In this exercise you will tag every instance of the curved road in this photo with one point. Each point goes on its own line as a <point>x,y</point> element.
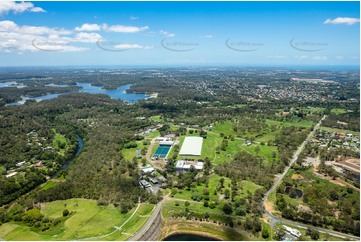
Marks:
<point>137,236</point>
<point>274,219</point>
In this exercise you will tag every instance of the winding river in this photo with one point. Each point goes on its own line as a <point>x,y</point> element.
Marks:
<point>68,163</point>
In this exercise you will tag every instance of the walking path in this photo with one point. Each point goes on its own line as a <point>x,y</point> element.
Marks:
<point>116,227</point>
<point>151,222</point>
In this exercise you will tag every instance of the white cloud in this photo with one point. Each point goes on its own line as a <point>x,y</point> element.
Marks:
<point>20,39</point>
<point>340,57</point>
<point>209,36</point>
<point>131,46</point>
<point>10,26</point>
<point>12,6</point>
<point>342,20</point>
<point>170,35</point>
<point>124,29</point>
<point>133,17</point>
<point>88,27</point>
<point>86,37</point>
<point>320,58</point>
<point>277,57</point>
<point>37,10</point>
<point>306,57</point>
<point>302,57</point>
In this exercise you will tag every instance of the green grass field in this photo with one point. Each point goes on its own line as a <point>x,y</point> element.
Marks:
<point>129,154</point>
<point>225,128</point>
<point>88,220</point>
<point>156,118</point>
<point>244,188</point>
<point>2,169</point>
<point>214,140</point>
<point>338,111</point>
<point>296,123</point>
<point>344,131</point>
<point>60,142</point>
<point>48,185</point>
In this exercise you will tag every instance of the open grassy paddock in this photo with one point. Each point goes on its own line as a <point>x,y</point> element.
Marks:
<point>87,220</point>
<point>60,143</point>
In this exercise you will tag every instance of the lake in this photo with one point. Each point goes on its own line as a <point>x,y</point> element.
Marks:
<point>119,93</point>
<point>11,84</point>
<point>189,237</point>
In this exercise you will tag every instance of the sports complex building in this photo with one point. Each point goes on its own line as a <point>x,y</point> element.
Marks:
<point>192,146</point>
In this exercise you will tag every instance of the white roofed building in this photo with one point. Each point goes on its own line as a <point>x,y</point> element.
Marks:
<point>191,146</point>
<point>184,165</point>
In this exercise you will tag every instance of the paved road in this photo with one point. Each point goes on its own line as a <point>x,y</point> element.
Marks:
<point>148,224</point>
<point>274,219</point>
<point>294,158</point>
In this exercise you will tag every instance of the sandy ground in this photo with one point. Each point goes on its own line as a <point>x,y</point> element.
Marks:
<point>297,177</point>
<point>304,208</point>
<point>269,206</point>
<point>353,161</point>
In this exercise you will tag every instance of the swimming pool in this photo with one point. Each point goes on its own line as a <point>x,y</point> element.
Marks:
<point>162,151</point>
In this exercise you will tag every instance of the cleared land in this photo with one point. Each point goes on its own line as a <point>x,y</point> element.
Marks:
<point>87,220</point>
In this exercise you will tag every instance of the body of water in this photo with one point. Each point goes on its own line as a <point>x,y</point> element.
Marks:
<point>11,84</point>
<point>38,99</point>
<point>119,93</point>
<point>68,163</point>
<point>189,237</point>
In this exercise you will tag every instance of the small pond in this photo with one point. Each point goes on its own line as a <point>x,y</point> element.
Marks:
<point>299,192</point>
<point>189,237</point>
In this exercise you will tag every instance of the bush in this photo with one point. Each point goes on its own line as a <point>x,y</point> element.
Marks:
<point>56,221</point>
<point>240,212</point>
<point>66,212</point>
<point>265,233</point>
<point>227,208</point>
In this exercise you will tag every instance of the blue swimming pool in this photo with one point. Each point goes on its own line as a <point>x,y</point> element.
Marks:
<point>162,151</point>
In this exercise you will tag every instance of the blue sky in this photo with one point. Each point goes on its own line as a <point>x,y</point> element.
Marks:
<point>179,33</point>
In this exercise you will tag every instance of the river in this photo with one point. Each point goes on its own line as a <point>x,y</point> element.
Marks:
<point>68,163</point>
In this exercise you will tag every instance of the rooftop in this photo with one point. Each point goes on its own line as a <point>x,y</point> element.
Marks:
<point>186,165</point>
<point>191,146</point>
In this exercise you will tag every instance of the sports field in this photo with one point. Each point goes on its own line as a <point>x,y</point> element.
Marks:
<point>162,151</point>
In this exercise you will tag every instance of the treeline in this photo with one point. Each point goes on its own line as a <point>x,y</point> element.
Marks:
<point>287,142</point>
<point>13,94</point>
<point>245,166</point>
<point>328,206</point>
<point>100,172</point>
<point>349,121</point>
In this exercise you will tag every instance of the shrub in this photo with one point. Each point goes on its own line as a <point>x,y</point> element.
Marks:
<point>66,212</point>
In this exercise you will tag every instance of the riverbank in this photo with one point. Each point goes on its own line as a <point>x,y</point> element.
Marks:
<point>201,228</point>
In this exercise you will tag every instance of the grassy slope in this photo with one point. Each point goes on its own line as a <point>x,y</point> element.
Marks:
<point>58,140</point>
<point>88,220</point>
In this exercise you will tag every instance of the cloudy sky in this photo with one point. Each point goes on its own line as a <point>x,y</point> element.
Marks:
<point>179,33</point>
